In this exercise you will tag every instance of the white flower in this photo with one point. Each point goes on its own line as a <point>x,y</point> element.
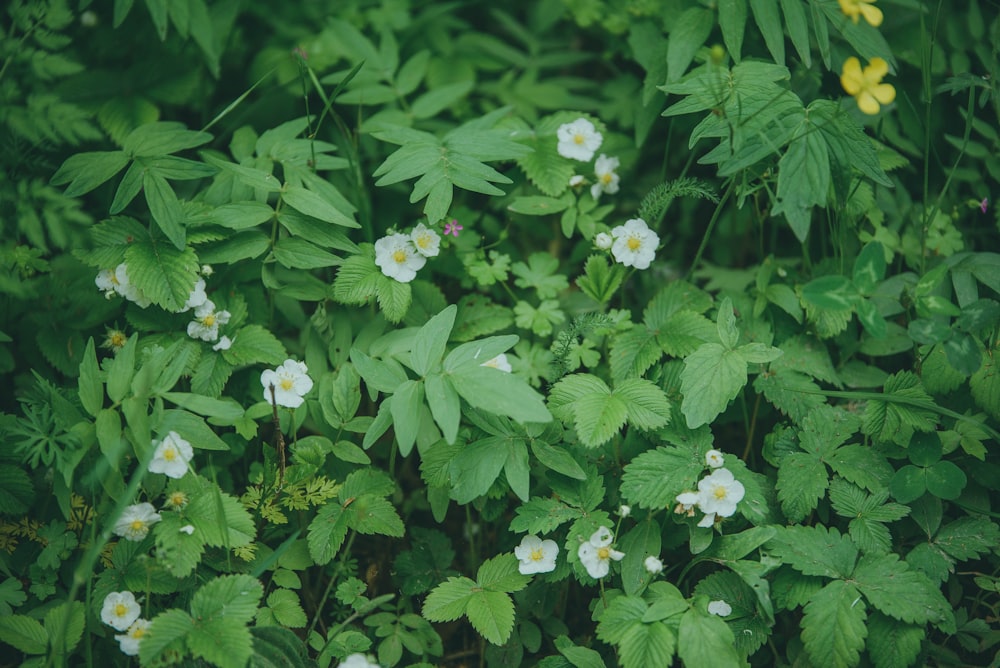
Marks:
<point>499,362</point>
<point>116,280</point>
<point>398,258</point>
<point>171,456</point>
<point>197,296</point>
<point>720,608</point>
<point>290,383</point>
<point>426,241</point>
<point>135,522</point>
<point>686,501</point>
<point>205,325</point>
<point>635,244</point>
<point>707,521</point>
<point>536,555</point>
<point>206,270</point>
<point>607,180</point>
<point>129,641</point>
<point>188,529</point>
<point>225,343</point>
<point>578,140</point>
<point>596,554</point>
<point>603,240</point>
<point>358,661</point>
<point>624,511</point>
<point>107,283</point>
<point>120,609</point>
<point>719,493</point>
<point>575,180</point>
<point>714,459</point>
<point>653,565</point>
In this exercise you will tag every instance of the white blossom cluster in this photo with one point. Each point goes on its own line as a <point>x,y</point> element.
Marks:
<point>579,140</point>
<point>116,281</point>
<point>121,612</point>
<point>401,256</point>
<point>718,493</point>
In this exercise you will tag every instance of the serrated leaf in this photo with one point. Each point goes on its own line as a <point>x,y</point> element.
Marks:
<point>327,532</point>
<point>286,608</point>
<point>633,352</point>
<point>220,519</point>
<point>254,345</point>
<point>544,167</point>
<point>704,639</point>
<point>168,631</point>
<point>968,537</point>
<point>656,477</point>
<point>492,615</point>
<point>542,515</point>
<point>712,377</point>
<point>862,466</point>
<point>449,600</point>
<point>646,404</point>
<point>370,514</point>
<point>815,550</point>
<point>891,643</point>
<point>802,481</point>
<point>791,392</point>
<point>895,421</point>
<point>501,573</point>
<point>231,597</point>
<point>24,634</point>
<point>833,625</point>
<point>900,592</point>
<point>478,316</point>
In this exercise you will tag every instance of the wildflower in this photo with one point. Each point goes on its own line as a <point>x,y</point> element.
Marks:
<point>499,362</point>
<point>205,325</point>
<point>129,641</point>
<point>358,661</point>
<point>206,270</point>
<point>578,140</point>
<point>607,180</point>
<point>596,554</point>
<point>125,287</point>
<point>576,180</point>
<point>398,258</point>
<point>685,502</point>
<point>985,204</point>
<point>714,459</point>
<point>171,456</point>
<point>653,565</point>
<point>634,244</point>
<point>855,8</point>
<point>177,500</point>
<point>624,511</point>
<point>135,522</point>
<point>426,240</point>
<point>707,521</point>
<point>288,383</point>
<point>188,529</point>
<point>452,228</point>
<point>536,555</point>
<point>603,241</point>
<point>720,608</point>
<point>719,493</point>
<point>115,340</point>
<point>107,283</point>
<point>197,296</point>
<point>120,609</point>
<point>225,343</point>
<point>866,87</point>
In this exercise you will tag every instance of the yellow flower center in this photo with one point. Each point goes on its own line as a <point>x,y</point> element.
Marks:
<point>578,138</point>
<point>138,632</point>
<point>117,339</point>
<point>603,553</point>
<point>177,499</point>
<point>399,257</point>
<point>208,320</point>
<point>424,240</point>
<point>170,454</point>
<point>120,610</point>
<point>114,279</point>
<point>137,525</point>
<point>719,493</point>
<point>634,243</point>
<point>286,384</point>
<point>537,555</point>
<point>606,178</point>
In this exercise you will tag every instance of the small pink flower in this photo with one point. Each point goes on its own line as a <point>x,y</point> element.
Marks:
<point>985,204</point>
<point>452,228</point>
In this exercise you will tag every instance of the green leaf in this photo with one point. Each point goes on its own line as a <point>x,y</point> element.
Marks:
<point>791,392</point>
<point>968,537</point>
<point>220,519</point>
<point>633,352</point>
<point>907,407</point>
<point>798,28</point>
<point>327,532</point>
<point>542,515</point>
<point>163,138</point>
<point>437,99</point>
<point>478,316</point>
<point>192,428</point>
<point>370,514</point>
<point>180,551</point>
<point>802,481</point>
<point>91,389</point>
<point>167,633</point>
<point>85,171</point>
<point>869,267</point>
<point>536,205</point>
<point>557,459</point>
<point>284,605</point>
<point>765,13</point>
<point>833,625</point>
<point>24,634</point>
<point>444,404</point>
<point>831,292</point>
<point>431,340</point>
<point>313,204</point>
<point>254,345</point>
<point>492,615</point>
<point>645,403</point>
<point>704,640</point>
<point>945,480</point>
<point>248,176</point>
<point>449,600</point>
<point>405,405</point>
<point>892,644</point>
<point>815,550</point>
<point>541,273</point>
<point>166,208</point>
<point>501,573</point>
<point>656,477</point>
<point>732,21</point>
<point>712,377</point>
<point>498,392</point>
<point>64,624</point>
<point>600,281</point>
<point>477,466</point>
<point>687,34</point>
<point>164,273</point>
<point>296,253</point>
<point>901,593</point>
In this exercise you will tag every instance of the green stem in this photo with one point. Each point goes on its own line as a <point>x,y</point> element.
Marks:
<point>710,228</point>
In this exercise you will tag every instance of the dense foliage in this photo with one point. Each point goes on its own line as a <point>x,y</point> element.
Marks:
<point>559,333</point>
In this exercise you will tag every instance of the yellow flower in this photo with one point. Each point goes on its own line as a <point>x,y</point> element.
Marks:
<point>866,8</point>
<point>867,87</point>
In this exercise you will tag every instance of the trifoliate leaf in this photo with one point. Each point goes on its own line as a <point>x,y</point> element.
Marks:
<point>539,320</point>
<point>712,377</point>
<point>895,421</point>
<point>896,590</point>
<point>815,550</point>
<point>287,610</point>
<point>492,615</point>
<point>542,516</point>
<point>891,643</point>
<point>833,625</point>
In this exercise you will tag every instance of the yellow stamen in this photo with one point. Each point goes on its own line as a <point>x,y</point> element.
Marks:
<point>720,492</point>
<point>137,525</point>
<point>536,555</point>
<point>208,320</point>
<point>424,240</point>
<point>579,139</point>
<point>603,553</point>
<point>170,454</point>
<point>606,178</point>
<point>399,257</point>
<point>633,243</point>
<point>120,610</point>
<point>286,384</point>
